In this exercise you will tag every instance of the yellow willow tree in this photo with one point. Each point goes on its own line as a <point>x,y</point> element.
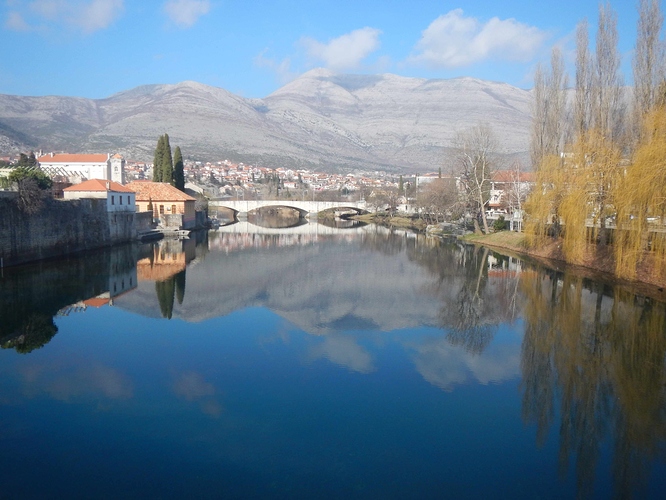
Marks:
<point>572,197</point>
<point>641,201</point>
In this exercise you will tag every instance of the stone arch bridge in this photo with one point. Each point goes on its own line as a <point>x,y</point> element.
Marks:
<point>308,209</point>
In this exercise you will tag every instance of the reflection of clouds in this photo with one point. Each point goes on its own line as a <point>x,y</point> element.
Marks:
<point>345,352</point>
<point>446,366</point>
<point>62,384</point>
<point>191,386</point>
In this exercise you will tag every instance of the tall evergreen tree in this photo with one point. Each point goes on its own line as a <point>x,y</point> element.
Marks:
<point>157,160</point>
<point>167,162</point>
<point>178,170</point>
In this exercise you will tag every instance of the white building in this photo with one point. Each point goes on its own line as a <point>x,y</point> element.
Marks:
<point>118,197</point>
<point>80,167</point>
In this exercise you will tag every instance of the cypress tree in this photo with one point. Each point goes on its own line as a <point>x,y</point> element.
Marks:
<point>167,162</point>
<point>157,160</point>
<point>178,170</point>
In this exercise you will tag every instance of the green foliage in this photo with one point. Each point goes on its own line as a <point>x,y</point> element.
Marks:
<point>27,160</point>
<point>157,160</point>
<point>500,224</point>
<point>162,161</point>
<point>167,162</point>
<point>178,170</point>
<point>21,174</point>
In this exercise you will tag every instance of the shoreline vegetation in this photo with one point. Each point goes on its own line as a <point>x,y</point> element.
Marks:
<point>595,262</point>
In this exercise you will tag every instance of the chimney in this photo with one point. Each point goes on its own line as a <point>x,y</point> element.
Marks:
<point>108,185</point>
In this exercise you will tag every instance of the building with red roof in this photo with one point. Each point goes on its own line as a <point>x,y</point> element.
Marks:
<point>172,207</point>
<point>118,197</point>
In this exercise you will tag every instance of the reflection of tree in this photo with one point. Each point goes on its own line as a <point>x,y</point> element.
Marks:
<point>36,331</point>
<point>470,330</point>
<point>180,286</point>
<point>165,296</point>
<point>602,354</point>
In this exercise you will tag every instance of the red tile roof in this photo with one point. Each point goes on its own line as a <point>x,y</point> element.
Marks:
<point>157,191</point>
<point>99,185</point>
<point>73,158</point>
<point>512,176</point>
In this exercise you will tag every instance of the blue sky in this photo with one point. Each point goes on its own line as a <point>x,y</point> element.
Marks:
<point>95,48</point>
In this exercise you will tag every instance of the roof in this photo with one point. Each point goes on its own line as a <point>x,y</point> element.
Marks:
<point>512,176</point>
<point>96,302</point>
<point>99,185</point>
<point>73,158</point>
<point>157,191</point>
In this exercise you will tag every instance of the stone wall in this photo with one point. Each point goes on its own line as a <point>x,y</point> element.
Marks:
<point>144,222</point>
<point>60,228</point>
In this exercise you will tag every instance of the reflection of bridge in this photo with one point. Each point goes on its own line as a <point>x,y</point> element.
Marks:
<point>245,227</point>
<point>310,208</point>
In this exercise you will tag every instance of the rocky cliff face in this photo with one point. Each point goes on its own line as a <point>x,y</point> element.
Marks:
<point>321,120</point>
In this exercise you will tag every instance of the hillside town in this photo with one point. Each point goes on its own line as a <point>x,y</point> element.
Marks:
<point>225,179</point>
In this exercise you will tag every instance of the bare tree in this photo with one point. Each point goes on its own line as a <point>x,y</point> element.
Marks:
<point>608,105</point>
<point>548,109</point>
<point>582,105</point>
<point>475,158</point>
<point>648,61</point>
<point>438,199</point>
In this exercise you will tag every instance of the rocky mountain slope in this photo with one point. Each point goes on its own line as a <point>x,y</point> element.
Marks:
<point>320,120</point>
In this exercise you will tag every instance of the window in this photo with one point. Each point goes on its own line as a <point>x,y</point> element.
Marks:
<point>128,200</point>
<point>161,209</point>
<point>173,209</point>
<point>113,200</point>
<point>121,199</point>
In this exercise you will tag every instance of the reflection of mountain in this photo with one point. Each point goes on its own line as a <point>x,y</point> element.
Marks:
<point>368,281</point>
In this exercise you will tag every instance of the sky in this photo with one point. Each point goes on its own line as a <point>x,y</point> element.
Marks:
<point>95,48</point>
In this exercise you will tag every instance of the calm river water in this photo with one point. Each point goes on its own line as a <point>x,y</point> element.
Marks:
<point>321,363</point>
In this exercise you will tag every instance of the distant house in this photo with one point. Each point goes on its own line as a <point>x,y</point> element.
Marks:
<point>509,188</point>
<point>118,198</point>
<point>172,207</point>
<point>80,167</point>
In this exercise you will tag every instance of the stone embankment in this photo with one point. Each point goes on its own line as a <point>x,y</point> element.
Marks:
<point>59,228</point>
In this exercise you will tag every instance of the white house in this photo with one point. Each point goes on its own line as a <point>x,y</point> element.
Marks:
<point>80,167</point>
<point>118,197</point>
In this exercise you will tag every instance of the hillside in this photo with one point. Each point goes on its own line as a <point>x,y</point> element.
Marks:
<point>320,120</point>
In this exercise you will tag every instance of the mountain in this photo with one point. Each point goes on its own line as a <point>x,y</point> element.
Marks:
<point>320,120</point>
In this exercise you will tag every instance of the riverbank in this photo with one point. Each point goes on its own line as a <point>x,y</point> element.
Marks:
<point>397,221</point>
<point>594,263</point>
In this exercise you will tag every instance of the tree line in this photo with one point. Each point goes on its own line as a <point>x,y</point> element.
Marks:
<point>599,148</point>
<point>168,168</point>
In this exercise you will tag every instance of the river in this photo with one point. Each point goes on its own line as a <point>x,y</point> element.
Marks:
<point>329,363</point>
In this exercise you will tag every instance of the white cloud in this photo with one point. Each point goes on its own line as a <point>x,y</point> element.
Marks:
<point>87,16</point>
<point>282,69</point>
<point>346,51</point>
<point>185,13</point>
<point>343,351</point>
<point>15,22</point>
<point>99,14</point>
<point>453,40</point>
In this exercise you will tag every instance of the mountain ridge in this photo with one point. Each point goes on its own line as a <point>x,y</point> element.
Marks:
<point>320,120</point>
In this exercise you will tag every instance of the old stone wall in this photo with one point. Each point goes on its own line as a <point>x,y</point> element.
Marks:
<point>144,222</point>
<point>60,228</point>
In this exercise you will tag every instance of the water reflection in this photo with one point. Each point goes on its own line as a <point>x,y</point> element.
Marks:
<point>590,356</point>
<point>598,353</point>
<point>31,296</point>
